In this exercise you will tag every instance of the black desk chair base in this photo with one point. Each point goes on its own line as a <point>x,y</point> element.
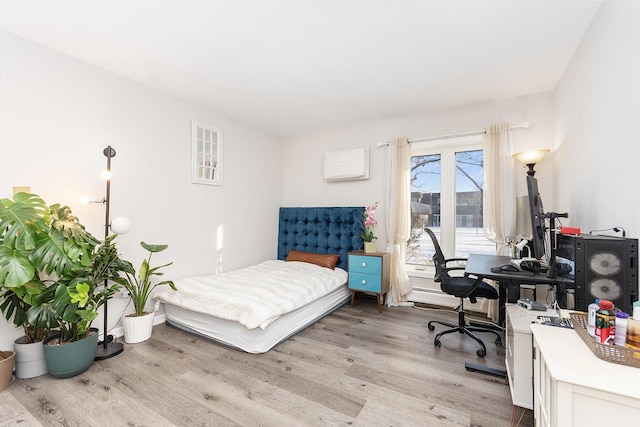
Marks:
<point>463,328</point>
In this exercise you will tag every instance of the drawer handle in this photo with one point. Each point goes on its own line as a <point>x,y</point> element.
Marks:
<point>364,282</point>
<point>364,264</point>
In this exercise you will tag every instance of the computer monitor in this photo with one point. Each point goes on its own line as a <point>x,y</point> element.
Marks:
<point>536,211</point>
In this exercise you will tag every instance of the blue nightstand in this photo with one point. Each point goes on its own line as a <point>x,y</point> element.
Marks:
<point>369,272</point>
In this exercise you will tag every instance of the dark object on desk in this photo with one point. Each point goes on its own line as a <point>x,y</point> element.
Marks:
<point>505,268</point>
<point>555,321</point>
<point>563,269</point>
<point>531,305</point>
<point>511,269</point>
<point>605,267</point>
<point>461,287</point>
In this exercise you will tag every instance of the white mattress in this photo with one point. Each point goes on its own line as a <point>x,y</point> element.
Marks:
<point>256,307</point>
<point>255,340</point>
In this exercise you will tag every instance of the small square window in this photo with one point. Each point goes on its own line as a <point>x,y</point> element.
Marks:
<point>206,154</point>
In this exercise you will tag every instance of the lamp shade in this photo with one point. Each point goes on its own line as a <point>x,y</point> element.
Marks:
<point>120,225</point>
<point>531,156</point>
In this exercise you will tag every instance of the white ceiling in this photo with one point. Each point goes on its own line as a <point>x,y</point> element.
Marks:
<point>300,66</point>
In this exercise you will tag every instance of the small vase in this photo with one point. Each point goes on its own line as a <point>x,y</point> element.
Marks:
<point>369,247</point>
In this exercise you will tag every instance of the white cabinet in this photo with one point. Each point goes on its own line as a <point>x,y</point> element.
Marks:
<point>519,352</point>
<point>572,387</point>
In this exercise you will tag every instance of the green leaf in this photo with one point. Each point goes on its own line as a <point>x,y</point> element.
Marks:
<point>153,248</point>
<point>79,295</point>
<point>15,267</point>
<point>21,219</point>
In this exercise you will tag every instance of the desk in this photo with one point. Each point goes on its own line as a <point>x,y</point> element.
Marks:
<point>479,265</point>
<point>572,387</point>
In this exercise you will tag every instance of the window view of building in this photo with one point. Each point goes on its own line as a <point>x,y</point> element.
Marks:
<point>447,179</point>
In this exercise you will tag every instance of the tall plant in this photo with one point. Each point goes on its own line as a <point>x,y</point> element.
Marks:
<point>53,273</point>
<point>39,244</point>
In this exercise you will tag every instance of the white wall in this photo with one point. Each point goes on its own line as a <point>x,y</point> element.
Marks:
<point>598,125</point>
<point>57,114</point>
<point>303,155</point>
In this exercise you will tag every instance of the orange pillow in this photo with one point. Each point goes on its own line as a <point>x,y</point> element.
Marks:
<point>323,260</point>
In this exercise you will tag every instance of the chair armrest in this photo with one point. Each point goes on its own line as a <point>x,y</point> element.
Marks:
<point>456,259</point>
<point>476,283</point>
<point>454,268</point>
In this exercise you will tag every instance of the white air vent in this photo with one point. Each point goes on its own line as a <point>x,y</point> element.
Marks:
<point>346,165</point>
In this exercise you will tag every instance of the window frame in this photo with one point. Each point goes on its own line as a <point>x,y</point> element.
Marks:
<point>447,148</point>
<point>200,171</point>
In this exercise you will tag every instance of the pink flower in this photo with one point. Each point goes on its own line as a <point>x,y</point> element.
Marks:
<point>369,222</point>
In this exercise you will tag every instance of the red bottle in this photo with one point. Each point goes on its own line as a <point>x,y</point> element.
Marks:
<point>605,322</point>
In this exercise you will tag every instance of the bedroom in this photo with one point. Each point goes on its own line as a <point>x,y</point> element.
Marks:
<point>57,123</point>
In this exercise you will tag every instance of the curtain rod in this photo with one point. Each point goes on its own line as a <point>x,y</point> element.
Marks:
<point>524,125</point>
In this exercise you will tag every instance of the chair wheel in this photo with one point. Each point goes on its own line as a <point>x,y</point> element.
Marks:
<point>481,353</point>
<point>498,342</point>
<point>437,343</point>
<point>431,327</point>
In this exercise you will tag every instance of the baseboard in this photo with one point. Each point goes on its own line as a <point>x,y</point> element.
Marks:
<point>434,298</point>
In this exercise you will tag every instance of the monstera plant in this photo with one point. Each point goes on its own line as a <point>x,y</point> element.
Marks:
<point>52,271</point>
<point>39,245</point>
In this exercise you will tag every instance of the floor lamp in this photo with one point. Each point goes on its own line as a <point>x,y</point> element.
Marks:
<point>108,347</point>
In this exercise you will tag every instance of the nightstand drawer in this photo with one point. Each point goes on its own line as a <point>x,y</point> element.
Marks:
<point>365,282</point>
<point>365,264</point>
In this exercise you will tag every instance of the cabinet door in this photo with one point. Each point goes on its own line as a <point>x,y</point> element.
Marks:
<point>365,264</point>
<point>365,282</point>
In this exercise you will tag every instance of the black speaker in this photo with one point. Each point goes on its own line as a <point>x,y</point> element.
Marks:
<point>603,267</point>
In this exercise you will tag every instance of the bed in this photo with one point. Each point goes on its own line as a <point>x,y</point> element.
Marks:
<point>300,286</point>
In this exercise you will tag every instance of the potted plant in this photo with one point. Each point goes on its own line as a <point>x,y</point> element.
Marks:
<point>6,368</point>
<point>139,325</point>
<point>30,254</point>
<point>368,224</point>
<point>74,305</point>
<point>58,272</point>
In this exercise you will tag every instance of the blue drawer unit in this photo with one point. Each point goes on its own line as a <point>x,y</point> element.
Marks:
<point>369,272</point>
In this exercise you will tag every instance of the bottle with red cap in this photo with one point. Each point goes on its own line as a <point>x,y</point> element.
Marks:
<point>605,322</point>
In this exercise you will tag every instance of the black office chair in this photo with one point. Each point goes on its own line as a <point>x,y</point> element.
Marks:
<point>461,287</point>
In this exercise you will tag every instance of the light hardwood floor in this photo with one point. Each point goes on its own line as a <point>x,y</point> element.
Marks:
<point>355,367</point>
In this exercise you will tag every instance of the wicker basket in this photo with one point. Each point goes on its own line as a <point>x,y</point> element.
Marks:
<point>610,353</point>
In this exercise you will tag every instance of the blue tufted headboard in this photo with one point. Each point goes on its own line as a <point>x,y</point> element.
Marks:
<point>333,230</point>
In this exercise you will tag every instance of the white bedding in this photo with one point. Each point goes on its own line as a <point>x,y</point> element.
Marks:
<point>254,296</point>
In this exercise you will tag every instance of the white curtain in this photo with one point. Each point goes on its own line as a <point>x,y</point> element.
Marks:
<point>398,216</point>
<point>499,194</point>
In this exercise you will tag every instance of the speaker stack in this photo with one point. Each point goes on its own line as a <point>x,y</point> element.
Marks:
<point>604,267</point>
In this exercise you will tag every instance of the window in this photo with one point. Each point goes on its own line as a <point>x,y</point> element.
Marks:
<point>447,179</point>
<point>206,153</point>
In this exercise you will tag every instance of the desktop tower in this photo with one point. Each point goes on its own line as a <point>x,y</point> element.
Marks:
<point>603,267</point>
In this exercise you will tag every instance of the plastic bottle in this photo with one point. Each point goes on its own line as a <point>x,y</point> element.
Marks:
<point>621,328</point>
<point>605,322</point>
<point>591,326</point>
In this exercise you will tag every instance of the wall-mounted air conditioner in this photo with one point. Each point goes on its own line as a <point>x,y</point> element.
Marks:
<point>346,165</point>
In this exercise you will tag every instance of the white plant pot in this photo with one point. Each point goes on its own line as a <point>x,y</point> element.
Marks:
<point>137,328</point>
<point>30,361</point>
